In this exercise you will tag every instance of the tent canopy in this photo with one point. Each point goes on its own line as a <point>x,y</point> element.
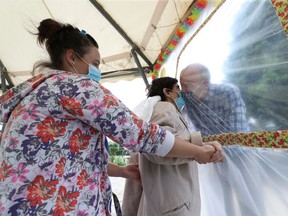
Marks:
<point>123,29</point>
<point>241,42</point>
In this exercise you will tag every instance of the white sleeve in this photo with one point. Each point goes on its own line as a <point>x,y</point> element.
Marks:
<point>167,144</point>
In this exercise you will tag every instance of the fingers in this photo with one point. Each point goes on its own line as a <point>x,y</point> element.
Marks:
<point>218,155</point>
<point>205,156</point>
<point>216,145</point>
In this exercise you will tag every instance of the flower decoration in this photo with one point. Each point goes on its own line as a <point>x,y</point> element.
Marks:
<point>180,32</point>
<point>281,8</point>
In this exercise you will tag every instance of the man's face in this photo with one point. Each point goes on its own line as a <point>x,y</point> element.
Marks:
<point>192,81</point>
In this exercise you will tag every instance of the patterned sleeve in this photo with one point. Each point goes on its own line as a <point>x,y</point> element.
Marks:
<point>94,105</point>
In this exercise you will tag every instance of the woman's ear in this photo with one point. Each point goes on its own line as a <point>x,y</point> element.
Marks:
<point>70,56</point>
<point>166,92</point>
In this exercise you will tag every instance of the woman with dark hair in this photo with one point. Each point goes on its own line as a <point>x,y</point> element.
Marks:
<point>170,186</point>
<point>53,155</point>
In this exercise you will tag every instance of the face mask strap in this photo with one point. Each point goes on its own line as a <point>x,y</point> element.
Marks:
<point>81,58</point>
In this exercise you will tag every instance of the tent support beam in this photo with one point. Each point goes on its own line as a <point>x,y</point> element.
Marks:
<point>5,77</point>
<point>121,31</point>
<point>141,71</point>
<point>4,87</point>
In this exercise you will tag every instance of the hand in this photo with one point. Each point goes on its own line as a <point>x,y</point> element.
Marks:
<point>218,156</point>
<point>131,171</point>
<point>205,154</point>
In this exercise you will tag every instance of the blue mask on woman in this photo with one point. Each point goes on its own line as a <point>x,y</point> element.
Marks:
<point>180,102</point>
<point>94,73</point>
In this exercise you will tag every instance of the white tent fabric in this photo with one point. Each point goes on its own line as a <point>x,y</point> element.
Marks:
<point>148,23</point>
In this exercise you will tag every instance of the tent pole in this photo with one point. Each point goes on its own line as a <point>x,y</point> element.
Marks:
<point>4,78</point>
<point>3,81</point>
<point>121,31</point>
<point>141,71</point>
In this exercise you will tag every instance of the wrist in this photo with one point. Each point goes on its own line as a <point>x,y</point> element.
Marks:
<point>122,172</point>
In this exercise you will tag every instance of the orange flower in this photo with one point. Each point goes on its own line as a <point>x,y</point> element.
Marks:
<point>17,111</point>
<point>35,81</point>
<point>83,179</point>
<point>41,189</point>
<point>60,167</point>
<point>78,141</point>
<point>49,129</point>
<point>102,180</point>
<point>5,170</point>
<point>137,121</point>
<point>109,101</point>
<point>106,91</point>
<point>140,135</point>
<point>9,94</point>
<point>72,106</point>
<point>66,201</point>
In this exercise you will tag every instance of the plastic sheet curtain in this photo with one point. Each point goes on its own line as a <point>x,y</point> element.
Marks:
<point>244,44</point>
<point>251,182</point>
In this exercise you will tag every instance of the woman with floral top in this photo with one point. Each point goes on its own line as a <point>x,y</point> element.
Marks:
<point>53,158</point>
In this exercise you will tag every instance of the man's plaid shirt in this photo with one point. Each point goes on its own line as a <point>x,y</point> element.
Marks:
<point>222,111</point>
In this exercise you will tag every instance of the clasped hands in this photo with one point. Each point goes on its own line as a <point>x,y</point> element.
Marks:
<point>212,153</point>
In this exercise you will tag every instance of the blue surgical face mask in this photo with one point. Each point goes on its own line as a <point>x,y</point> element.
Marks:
<point>180,102</point>
<point>94,73</point>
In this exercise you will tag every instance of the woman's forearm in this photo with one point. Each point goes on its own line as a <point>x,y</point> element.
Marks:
<point>115,170</point>
<point>183,149</point>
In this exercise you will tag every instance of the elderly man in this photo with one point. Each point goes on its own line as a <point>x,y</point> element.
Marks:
<point>213,108</point>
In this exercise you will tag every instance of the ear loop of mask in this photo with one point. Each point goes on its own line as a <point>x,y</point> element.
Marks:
<point>74,62</point>
<point>74,67</point>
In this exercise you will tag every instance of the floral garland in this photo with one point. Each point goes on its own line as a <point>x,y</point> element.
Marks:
<point>281,7</point>
<point>266,139</point>
<point>180,32</point>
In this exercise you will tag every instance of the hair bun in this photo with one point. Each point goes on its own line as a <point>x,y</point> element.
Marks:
<point>47,28</point>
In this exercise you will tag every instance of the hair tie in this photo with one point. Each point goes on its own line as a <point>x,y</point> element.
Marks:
<point>83,32</point>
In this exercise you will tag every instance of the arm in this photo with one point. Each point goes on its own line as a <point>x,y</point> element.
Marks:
<point>96,107</point>
<point>166,115</point>
<point>131,171</point>
<point>201,154</point>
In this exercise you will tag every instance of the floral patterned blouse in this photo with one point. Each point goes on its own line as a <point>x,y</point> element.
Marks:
<point>53,160</point>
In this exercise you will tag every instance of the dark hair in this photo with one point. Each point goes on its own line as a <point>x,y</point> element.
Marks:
<point>57,38</point>
<point>157,86</point>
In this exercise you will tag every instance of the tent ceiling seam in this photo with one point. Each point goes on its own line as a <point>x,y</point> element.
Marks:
<point>45,5</point>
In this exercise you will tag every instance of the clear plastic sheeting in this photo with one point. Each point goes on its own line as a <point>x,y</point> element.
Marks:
<point>245,49</point>
<point>243,44</point>
<point>251,182</point>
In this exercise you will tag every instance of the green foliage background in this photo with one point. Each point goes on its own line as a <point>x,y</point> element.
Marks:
<point>118,154</point>
<point>258,65</point>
